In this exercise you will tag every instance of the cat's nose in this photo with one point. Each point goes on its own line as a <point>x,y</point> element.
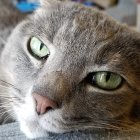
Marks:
<point>43,103</point>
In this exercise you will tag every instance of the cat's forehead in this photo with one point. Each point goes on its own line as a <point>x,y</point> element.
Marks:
<point>76,16</point>
<point>74,23</point>
<point>97,37</point>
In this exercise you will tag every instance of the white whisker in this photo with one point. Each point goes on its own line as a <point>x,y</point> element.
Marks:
<point>8,85</point>
<point>7,111</point>
<point>1,110</point>
<point>110,125</point>
<point>2,40</point>
<point>6,119</point>
<point>5,103</point>
<point>5,106</point>
<point>11,98</point>
<point>7,96</point>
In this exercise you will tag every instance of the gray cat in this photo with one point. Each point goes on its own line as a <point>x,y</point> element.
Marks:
<point>68,67</point>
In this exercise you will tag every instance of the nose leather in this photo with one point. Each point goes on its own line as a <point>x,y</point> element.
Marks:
<point>43,103</point>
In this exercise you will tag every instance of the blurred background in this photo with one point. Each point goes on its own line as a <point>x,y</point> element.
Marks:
<point>125,11</point>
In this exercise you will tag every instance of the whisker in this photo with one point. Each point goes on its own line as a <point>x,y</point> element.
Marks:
<point>5,111</point>
<point>9,84</point>
<point>8,97</point>
<point>5,106</point>
<point>93,126</point>
<point>128,125</point>
<point>2,40</point>
<point>9,103</point>
<point>123,126</point>
<point>1,110</point>
<point>9,100</point>
<point>6,102</point>
<point>110,125</point>
<point>6,118</point>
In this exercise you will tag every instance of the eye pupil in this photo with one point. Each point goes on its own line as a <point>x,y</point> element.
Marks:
<point>108,76</point>
<point>41,46</point>
<point>93,80</point>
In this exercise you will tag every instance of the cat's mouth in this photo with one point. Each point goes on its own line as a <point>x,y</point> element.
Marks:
<point>51,118</point>
<point>41,125</point>
<point>35,125</point>
<point>54,120</point>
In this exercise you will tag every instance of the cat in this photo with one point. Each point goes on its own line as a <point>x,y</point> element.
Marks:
<point>69,67</point>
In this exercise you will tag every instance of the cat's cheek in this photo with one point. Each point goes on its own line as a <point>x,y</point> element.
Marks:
<point>26,111</point>
<point>28,118</point>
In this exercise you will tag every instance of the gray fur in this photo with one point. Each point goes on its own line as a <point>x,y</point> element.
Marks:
<point>81,40</point>
<point>9,17</point>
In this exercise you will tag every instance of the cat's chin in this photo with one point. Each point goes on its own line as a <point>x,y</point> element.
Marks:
<point>32,129</point>
<point>35,129</point>
<point>42,126</point>
<point>53,122</point>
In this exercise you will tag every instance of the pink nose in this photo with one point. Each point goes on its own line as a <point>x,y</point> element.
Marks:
<point>43,104</point>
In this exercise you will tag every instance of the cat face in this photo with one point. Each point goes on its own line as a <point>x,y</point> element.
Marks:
<point>84,64</point>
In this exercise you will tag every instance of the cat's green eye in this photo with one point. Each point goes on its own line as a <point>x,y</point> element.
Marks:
<point>105,80</point>
<point>38,49</point>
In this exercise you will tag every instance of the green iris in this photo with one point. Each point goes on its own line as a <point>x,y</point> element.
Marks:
<point>38,49</point>
<point>107,80</point>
